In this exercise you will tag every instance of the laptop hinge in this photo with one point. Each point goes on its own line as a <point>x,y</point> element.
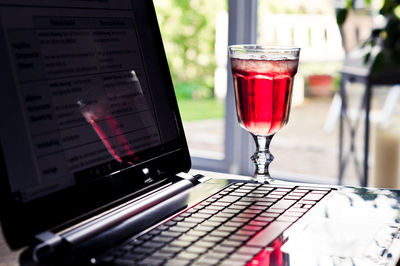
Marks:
<point>54,244</point>
<point>189,177</point>
<point>48,244</point>
<point>195,179</point>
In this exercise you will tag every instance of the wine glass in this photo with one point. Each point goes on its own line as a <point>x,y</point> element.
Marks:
<point>263,81</point>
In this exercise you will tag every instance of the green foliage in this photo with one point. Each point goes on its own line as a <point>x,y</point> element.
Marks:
<point>341,15</point>
<point>386,39</point>
<point>188,30</point>
<point>199,109</point>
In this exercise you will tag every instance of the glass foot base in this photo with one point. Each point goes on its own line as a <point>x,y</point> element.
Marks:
<point>263,179</point>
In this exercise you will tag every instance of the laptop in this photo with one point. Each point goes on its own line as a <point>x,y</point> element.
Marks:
<point>95,168</point>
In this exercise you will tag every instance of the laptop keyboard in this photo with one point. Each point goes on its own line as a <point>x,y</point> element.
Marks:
<point>232,227</point>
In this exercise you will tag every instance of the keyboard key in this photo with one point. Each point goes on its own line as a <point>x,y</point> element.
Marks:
<point>229,199</point>
<point>238,207</point>
<point>247,215</point>
<point>255,195</point>
<point>269,214</point>
<point>207,211</point>
<point>204,244</point>
<point>179,229</point>
<point>274,196</point>
<point>187,256</point>
<point>151,261</point>
<point>238,194</point>
<point>196,233</point>
<point>145,237</point>
<point>251,185</point>
<point>170,234</point>
<point>282,190</point>
<point>214,208</point>
<point>258,207</point>
<point>135,256</point>
<point>188,238</point>
<point>163,239</point>
<point>202,215</point>
<point>292,197</point>
<point>259,223</point>
<point>284,204</point>
<point>245,232</point>
<point>170,223</point>
<point>220,233</point>
<point>241,203</point>
<point>180,243</point>
<point>203,228</point>
<point>268,234</point>
<point>224,215</point>
<point>312,196</point>
<point>248,250</point>
<point>249,227</point>
<point>197,249</point>
<point>215,255</point>
<point>206,261</point>
<point>171,249</point>
<point>298,210</point>
<point>241,220</point>
<point>218,219</point>
<point>227,228</point>
<point>186,224</point>
<point>239,257</point>
<point>211,224</point>
<point>224,249</point>
<point>177,261</point>
<point>314,188</point>
<point>293,214</point>
<point>240,238</point>
<point>276,210</point>
<point>127,247</point>
<point>252,211</point>
<point>249,199</point>
<point>141,250</point>
<point>231,210</point>
<point>178,219</point>
<point>153,245</point>
<point>135,242</point>
<point>162,255</point>
<point>185,214</point>
<point>124,262</point>
<point>244,190</point>
<point>262,220</point>
<point>212,239</point>
<point>285,218</point>
<point>233,224</point>
<point>231,243</point>
<point>221,203</point>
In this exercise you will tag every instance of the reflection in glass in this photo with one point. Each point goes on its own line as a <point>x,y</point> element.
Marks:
<point>119,114</point>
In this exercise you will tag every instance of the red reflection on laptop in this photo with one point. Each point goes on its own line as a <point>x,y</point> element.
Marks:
<point>121,141</point>
<point>271,256</point>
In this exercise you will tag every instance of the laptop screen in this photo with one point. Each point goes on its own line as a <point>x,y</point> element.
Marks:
<point>87,106</point>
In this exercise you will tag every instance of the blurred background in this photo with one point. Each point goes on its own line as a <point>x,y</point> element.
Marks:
<point>195,35</point>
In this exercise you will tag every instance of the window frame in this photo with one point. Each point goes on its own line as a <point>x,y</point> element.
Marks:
<point>242,28</point>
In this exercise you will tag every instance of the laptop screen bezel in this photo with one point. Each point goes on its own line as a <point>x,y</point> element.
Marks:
<point>22,221</point>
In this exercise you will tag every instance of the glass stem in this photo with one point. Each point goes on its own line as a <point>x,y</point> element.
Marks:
<point>262,158</point>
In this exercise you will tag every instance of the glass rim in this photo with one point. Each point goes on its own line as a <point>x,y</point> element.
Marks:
<point>263,48</point>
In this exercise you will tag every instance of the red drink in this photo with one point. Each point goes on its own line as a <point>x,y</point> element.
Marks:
<point>263,91</point>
